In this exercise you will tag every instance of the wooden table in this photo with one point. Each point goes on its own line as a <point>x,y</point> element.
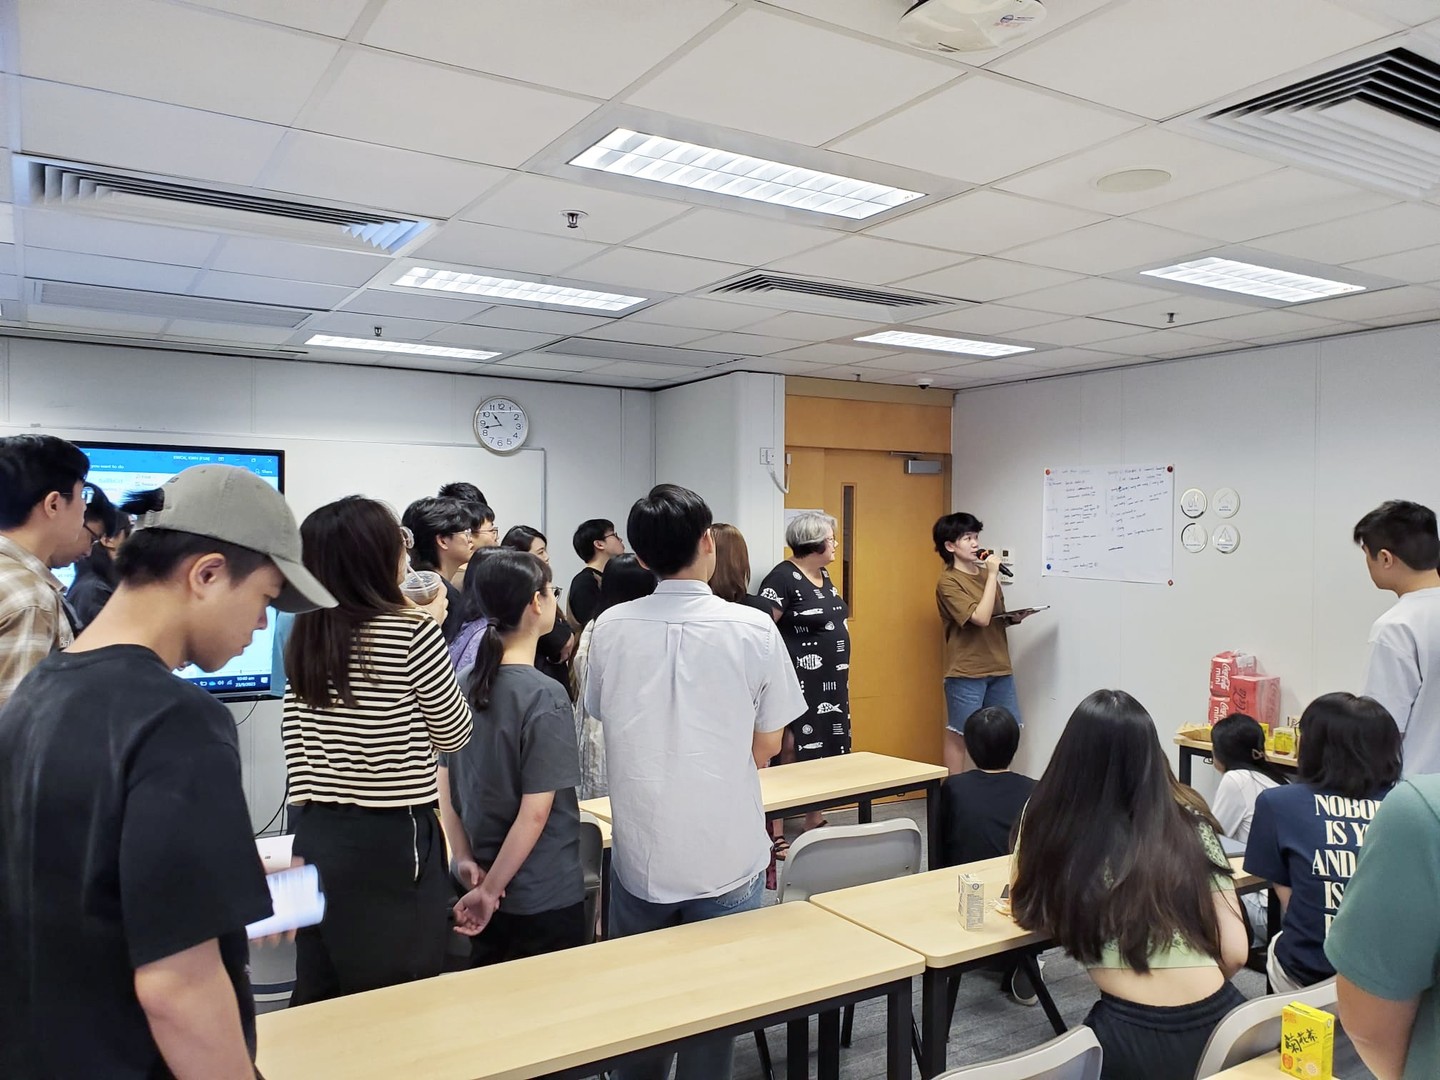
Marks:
<point>1190,749</point>
<point>921,912</point>
<point>581,1011</point>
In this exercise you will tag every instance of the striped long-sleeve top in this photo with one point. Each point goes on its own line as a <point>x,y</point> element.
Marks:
<point>380,752</point>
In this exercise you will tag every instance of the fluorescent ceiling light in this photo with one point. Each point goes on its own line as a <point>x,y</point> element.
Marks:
<point>413,347</point>
<point>534,292</point>
<point>1253,280</point>
<point>907,340</point>
<point>704,168</point>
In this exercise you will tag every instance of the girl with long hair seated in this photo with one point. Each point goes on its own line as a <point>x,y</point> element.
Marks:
<point>1116,870</point>
<point>1237,746</point>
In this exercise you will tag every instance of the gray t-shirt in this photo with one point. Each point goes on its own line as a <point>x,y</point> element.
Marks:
<point>524,744</point>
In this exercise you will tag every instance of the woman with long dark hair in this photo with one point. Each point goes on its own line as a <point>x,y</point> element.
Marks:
<point>1305,837</point>
<point>1237,746</point>
<point>553,653</point>
<point>731,577</point>
<point>371,699</point>
<point>508,798</point>
<point>1113,868</point>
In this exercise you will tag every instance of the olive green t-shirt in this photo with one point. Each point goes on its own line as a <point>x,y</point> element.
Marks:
<point>971,652</point>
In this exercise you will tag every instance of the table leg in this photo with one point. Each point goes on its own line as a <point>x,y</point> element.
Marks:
<point>605,894</point>
<point>1187,754</point>
<point>897,1031</point>
<point>827,1065</point>
<point>797,1049</point>
<point>1032,968</point>
<point>932,823</point>
<point>863,811</point>
<point>933,1022</point>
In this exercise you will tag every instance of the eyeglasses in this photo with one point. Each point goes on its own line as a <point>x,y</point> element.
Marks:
<point>95,537</point>
<point>493,530</point>
<point>557,590</point>
<point>607,536</point>
<point>407,537</point>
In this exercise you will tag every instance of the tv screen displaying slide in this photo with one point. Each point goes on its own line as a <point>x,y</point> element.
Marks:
<point>119,468</point>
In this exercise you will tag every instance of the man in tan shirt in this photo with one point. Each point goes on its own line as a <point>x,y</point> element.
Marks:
<point>42,515</point>
<point>972,610</point>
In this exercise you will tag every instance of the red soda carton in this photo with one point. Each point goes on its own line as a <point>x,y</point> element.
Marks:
<point>1225,666</point>
<point>1257,696</point>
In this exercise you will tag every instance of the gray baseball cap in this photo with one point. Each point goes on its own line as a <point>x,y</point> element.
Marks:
<point>234,505</point>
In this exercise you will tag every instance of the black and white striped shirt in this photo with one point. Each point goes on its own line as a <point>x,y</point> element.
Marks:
<point>380,752</point>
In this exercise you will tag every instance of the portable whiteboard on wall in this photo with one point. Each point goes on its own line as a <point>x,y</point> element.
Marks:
<point>1113,522</point>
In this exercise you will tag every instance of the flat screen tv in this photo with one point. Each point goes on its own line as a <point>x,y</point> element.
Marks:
<point>120,468</point>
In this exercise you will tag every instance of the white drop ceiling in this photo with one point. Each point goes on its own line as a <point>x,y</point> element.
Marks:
<point>464,113</point>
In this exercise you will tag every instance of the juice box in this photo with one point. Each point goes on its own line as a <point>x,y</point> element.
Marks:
<point>1307,1042</point>
<point>1285,741</point>
<point>972,901</point>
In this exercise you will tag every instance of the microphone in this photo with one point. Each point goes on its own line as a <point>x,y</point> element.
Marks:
<point>985,553</point>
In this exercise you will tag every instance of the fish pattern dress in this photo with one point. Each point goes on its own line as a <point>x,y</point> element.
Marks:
<point>812,622</point>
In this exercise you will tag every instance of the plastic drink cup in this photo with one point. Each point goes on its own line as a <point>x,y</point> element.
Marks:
<point>422,586</point>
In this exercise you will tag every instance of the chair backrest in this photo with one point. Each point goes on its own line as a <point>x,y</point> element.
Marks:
<point>841,856</point>
<point>592,854</point>
<point>272,974</point>
<point>1076,1055</point>
<point>1252,1029</point>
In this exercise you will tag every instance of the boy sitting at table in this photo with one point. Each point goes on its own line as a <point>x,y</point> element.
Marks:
<point>979,808</point>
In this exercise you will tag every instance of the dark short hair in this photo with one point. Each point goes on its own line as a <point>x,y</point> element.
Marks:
<point>1405,529</point>
<point>31,467</point>
<point>1349,745</point>
<point>522,538</point>
<point>101,510</point>
<point>624,580</point>
<point>433,517</point>
<point>588,534</point>
<point>464,491</point>
<point>992,735</point>
<point>948,530</point>
<point>665,528</point>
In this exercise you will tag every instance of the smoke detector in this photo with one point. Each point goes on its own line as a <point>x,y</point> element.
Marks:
<point>969,25</point>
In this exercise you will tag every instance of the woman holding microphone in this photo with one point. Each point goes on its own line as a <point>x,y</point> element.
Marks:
<point>972,611</point>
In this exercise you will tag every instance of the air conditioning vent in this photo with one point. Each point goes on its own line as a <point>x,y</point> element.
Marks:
<point>162,201</point>
<point>830,297</point>
<point>165,305</point>
<point>1376,122</point>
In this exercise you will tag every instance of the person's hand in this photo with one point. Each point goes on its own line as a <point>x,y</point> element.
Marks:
<point>468,873</point>
<point>474,910</point>
<point>992,562</point>
<point>438,608</point>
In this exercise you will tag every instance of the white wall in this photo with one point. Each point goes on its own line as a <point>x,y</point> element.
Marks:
<point>599,442</point>
<point>1312,435</point>
<point>708,437</point>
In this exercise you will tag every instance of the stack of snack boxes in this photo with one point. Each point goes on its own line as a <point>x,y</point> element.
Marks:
<point>1236,686</point>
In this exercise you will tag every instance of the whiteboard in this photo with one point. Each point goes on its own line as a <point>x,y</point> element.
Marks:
<point>1112,522</point>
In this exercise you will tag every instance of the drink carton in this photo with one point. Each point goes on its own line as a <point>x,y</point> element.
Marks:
<point>1257,696</point>
<point>1225,666</point>
<point>972,901</point>
<point>1307,1042</point>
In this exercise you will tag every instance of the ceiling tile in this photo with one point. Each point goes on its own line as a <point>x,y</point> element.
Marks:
<point>705,314</point>
<point>631,268</point>
<point>276,258</point>
<point>631,369</point>
<point>839,373</point>
<point>554,362</point>
<point>982,129</point>
<point>1420,266</point>
<point>1330,329</point>
<point>84,319</point>
<point>1365,306</point>
<point>416,304</point>
<point>777,76</point>
<point>1274,202</point>
<point>997,371</point>
<point>537,203</point>
<point>343,170</point>
<point>1116,244</point>
<point>504,249</point>
<point>539,320</point>
<point>733,238</point>
<point>467,336</point>
<point>745,344</point>
<point>357,324</point>
<point>1267,323</point>
<point>100,270</point>
<point>121,239</point>
<point>579,45</point>
<point>1402,227</point>
<point>831,354</point>
<point>127,133</point>
<point>1089,296</point>
<point>1187,59</point>
<point>227,333</point>
<point>388,99</point>
<point>988,319</point>
<point>1195,166</point>
<point>1182,310</point>
<point>268,290</point>
<point>988,279</point>
<point>771,365</point>
<point>912,361</point>
<point>647,333</point>
<point>334,18</point>
<point>984,222</point>
<point>169,53</point>
<point>866,261</point>
<point>1159,343</point>
<point>802,326</point>
<point>1079,359</point>
<point>1077,332</point>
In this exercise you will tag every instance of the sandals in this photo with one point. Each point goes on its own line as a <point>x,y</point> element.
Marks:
<point>779,848</point>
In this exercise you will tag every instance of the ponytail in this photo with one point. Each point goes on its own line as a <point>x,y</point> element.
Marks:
<point>503,584</point>
<point>487,666</point>
<point>1238,742</point>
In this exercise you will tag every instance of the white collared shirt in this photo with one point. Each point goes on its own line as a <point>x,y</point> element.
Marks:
<point>681,680</point>
<point>1403,674</point>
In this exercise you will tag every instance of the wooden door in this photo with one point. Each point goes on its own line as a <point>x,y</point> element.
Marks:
<point>886,568</point>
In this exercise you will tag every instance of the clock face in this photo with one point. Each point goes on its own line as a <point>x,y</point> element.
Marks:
<point>501,424</point>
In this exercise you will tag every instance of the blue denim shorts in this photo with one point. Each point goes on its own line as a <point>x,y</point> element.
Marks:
<point>964,697</point>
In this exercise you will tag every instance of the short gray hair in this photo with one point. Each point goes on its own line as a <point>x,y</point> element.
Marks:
<point>808,530</point>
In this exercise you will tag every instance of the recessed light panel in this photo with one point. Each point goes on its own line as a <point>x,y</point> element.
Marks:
<point>724,172</point>
<point>907,340</point>
<point>410,347</point>
<point>1253,280</point>
<point>534,292</point>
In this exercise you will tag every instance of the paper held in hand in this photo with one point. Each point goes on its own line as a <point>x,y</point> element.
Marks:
<point>1019,613</point>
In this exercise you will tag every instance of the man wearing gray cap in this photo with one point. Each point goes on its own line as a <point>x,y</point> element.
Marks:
<point>128,871</point>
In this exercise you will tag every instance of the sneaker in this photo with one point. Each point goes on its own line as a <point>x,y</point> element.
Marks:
<point>1020,989</point>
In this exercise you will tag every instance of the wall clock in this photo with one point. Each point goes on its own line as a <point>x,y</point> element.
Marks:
<point>501,425</point>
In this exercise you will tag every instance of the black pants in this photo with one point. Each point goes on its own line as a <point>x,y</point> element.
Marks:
<point>1155,1042</point>
<point>387,899</point>
<point>510,937</point>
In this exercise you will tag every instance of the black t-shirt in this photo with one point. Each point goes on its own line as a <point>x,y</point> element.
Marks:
<point>585,595</point>
<point>977,812</point>
<point>454,613</point>
<point>124,839</point>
